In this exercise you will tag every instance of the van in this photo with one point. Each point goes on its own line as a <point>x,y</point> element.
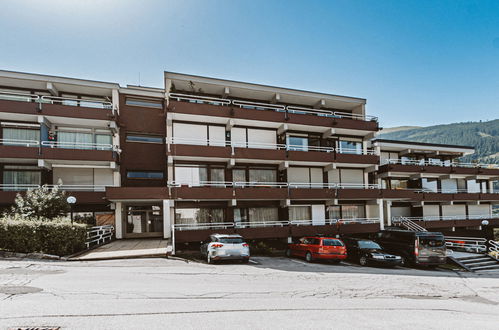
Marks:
<point>420,248</point>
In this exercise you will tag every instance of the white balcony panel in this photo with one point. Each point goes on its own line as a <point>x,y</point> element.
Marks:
<point>352,176</point>
<point>478,209</point>
<point>191,132</point>
<point>449,210</point>
<point>431,210</point>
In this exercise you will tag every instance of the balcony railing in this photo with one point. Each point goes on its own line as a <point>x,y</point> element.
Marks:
<point>24,187</point>
<point>267,106</point>
<point>74,102</point>
<point>448,217</point>
<point>292,185</point>
<point>452,191</point>
<point>273,146</point>
<point>77,145</point>
<point>276,223</point>
<point>19,142</point>
<point>433,163</point>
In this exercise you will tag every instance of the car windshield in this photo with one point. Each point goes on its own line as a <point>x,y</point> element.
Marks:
<point>369,245</point>
<point>231,240</point>
<point>431,242</point>
<point>331,242</point>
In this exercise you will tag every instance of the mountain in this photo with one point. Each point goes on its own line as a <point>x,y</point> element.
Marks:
<point>482,135</point>
<point>399,128</point>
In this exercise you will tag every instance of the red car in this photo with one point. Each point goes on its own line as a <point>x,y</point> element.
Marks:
<point>315,248</point>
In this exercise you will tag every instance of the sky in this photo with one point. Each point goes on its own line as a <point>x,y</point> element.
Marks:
<point>420,62</point>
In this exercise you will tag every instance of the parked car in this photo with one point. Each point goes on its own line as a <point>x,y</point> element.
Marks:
<point>316,247</point>
<point>370,253</point>
<point>416,247</point>
<point>225,247</point>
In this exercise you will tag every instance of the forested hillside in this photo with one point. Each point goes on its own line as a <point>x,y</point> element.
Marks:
<point>483,135</point>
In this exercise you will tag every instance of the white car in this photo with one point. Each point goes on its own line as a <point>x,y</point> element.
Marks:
<point>226,247</point>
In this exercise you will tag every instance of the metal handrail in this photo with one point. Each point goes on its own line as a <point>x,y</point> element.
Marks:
<point>201,226</point>
<point>98,235</point>
<point>77,145</point>
<point>450,191</point>
<point>91,103</point>
<point>358,220</point>
<point>257,224</point>
<point>31,97</point>
<point>469,243</point>
<point>251,184</point>
<point>292,185</point>
<point>81,187</point>
<point>422,162</point>
<point>18,142</point>
<point>224,184</point>
<point>258,105</point>
<point>203,99</point>
<point>17,187</point>
<point>448,217</point>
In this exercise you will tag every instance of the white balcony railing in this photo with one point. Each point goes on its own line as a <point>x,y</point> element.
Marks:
<point>19,142</point>
<point>291,185</point>
<point>22,97</point>
<point>203,226</point>
<point>24,187</point>
<point>448,217</point>
<point>88,103</point>
<point>451,191</point>
<point>268,106</point>
<point>422,162</point>
<point>77,145</point>
<point>273,146</point>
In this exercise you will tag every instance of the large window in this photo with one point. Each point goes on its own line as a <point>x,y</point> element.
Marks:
<point>262,175</point>
<point>300,213</point>
<point>198,134</point>
<point>20,136</point>
<point>198,174</point>
<point>430,185</point>
<point>298,143</point>
<point>346,211</point>
<point>84,139</point>
<point>253,138</point>
<point>18,179</point>
<point>199,215</point>
<point>144,103</point>
<point>350,147</point>
<point>256,214</point>
<point>144,138</point>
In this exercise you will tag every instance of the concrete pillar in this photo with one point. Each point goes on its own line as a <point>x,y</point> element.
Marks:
<point>118,220</point>
<point>168,218</point>
<point>491,186</point>
<point>381,214</point>
<point>388,213</point>
<point>116,101</point>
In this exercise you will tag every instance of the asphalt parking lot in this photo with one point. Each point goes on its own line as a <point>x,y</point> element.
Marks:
<point>267,293</point>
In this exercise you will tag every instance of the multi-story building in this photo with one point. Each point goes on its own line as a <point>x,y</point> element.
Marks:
<point>205,155</point>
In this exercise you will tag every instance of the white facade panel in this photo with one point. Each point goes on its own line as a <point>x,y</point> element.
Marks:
<point>190,134</point>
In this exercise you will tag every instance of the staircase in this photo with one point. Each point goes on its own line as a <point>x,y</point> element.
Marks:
<point>408,224</point>
<point>478,263</point>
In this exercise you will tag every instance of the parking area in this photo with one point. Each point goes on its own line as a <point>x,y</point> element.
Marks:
<point>267,293</point>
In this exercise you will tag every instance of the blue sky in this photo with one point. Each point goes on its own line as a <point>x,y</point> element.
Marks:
<point>417,62</point>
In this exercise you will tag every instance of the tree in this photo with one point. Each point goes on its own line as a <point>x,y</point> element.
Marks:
<point>41,203</point>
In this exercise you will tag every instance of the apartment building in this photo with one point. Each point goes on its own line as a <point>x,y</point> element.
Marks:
<point>204,155</point>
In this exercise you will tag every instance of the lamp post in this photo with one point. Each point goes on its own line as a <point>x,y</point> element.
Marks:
<point>71,201</point>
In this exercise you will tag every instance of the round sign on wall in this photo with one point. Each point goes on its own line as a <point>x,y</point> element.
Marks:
<point>71,199</point>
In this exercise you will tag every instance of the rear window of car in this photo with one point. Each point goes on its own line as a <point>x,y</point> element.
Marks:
<point>231,240</point>
<point>332,242</point>
<point>431,241</point>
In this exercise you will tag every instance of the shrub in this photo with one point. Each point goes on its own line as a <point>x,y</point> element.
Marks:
<point>57,236</point>
<point>41,203</point>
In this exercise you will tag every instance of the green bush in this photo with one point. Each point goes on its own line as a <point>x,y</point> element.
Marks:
<point>56,236</point>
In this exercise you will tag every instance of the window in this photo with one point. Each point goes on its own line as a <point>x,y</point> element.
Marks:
<point>198,174</point>
<point>199,215</point>
<point>144,175</point>
<point>331,242</point>
<point>75,140</point>
<point>144,103</point>
<point>369,245</point>
<point>16,136</point>
<point>300,213</point>
<point>298,143</point>
<point>430,185</point>
<point>198,134</point>
<point>144,138</point>
<point>262,175</point>
<point>239,175</point>
<point>399,184</point>
<point>350,147</point>
<point>16,178</point>
<point>263,214</point>
<point>346,211</point>
<point>253,138</point>
<point>104,139</point>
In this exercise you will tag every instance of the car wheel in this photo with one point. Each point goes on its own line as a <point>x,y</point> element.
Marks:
<point>208,259</point>
<point>309,257</point>
<point>288,253</point>
<point>363,261</point>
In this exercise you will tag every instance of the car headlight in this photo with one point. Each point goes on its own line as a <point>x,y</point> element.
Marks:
<point>398,257</point>
<point>377,256</point>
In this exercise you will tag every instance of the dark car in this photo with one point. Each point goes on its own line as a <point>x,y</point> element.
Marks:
<point>369,253</point>
<point>418,248</point>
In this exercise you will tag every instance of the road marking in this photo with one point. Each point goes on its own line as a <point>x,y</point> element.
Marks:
<point>300,262</point>
<point>253,262</point>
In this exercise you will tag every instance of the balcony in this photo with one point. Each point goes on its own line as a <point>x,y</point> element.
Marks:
<point>32,149</point>
<point>32,104</point>
<point>451,220</point>
<point>85,194</point>
<point>241,109</point>
<point>182,147</point>
<point>275,229</point>
<point>221,190</point>
<point>443,168</point>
